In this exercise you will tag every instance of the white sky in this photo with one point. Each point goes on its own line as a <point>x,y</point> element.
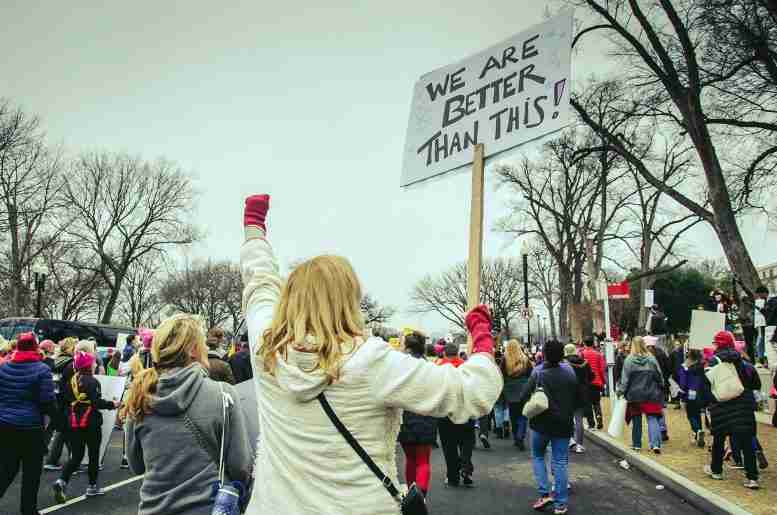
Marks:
<point>304,101</point>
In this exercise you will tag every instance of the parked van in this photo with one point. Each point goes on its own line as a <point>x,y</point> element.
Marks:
<point>47,329</point>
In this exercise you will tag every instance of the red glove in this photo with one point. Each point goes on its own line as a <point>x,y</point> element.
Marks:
<point>478,323</point>
<point>255,212</point>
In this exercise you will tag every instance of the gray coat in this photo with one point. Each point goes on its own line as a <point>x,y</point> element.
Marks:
<point>641,380</point>
<point>177,446</point>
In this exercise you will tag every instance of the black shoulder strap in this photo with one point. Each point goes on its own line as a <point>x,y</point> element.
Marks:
<point>383,478</point>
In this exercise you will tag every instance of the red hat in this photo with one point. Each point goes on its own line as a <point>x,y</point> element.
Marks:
<point>724,340</point>
<point>26,342</point>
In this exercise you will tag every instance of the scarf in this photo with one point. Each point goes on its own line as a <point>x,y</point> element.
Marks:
<point>26,356</point>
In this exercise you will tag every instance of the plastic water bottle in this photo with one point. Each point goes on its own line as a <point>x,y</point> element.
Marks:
<point>227,501</point>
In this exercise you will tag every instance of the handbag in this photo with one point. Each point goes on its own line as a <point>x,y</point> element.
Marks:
<point>618,418</point>
<point>725,381</point>
<point>227,499</point>
<point>413,502</point>
<point>538,402</point>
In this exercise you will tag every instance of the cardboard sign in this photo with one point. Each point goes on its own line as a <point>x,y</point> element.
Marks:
<point>704,326</point>
<point>112,388</point>
<point>511,93</point>
<point>650,298</point>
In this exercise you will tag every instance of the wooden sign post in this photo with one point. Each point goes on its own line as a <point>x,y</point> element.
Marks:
<point>475,231</point>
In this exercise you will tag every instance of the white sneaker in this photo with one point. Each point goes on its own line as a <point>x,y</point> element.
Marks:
<point>572,443</point>
<point>752,484</point>
<point>579,449</point>
<point>709,472</point>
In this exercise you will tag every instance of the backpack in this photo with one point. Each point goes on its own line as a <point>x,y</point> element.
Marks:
<point>81,408</point>
<point>725,381</point>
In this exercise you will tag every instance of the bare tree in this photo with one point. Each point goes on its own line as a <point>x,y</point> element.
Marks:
<point>72,282</point>
<point>446,294</point>
<point>543,278</point>
<point>123,209</point>
<point>374,313</point>
<point>140,303</point>
<point>30,184</point>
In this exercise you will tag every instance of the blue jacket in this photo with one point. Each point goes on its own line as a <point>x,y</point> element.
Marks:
<point>26,394</point>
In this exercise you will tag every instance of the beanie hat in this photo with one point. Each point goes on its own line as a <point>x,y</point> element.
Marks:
<point>723,340</point>
<point>48,346</point>
<point>739,345</point>
<point>570,349</point>
<point>83,360</point>
<point>709,352</point>
<point>554,351</point>
<point>27,342</point>
<point>650,341</point>
<point>147,335</point>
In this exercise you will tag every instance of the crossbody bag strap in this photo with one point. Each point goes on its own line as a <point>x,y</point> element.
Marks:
<point>383,478</point>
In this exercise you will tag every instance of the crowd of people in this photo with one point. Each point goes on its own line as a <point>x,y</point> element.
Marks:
<point>334,403</point>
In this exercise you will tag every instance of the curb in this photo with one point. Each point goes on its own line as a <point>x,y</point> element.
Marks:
<point>694,494</point>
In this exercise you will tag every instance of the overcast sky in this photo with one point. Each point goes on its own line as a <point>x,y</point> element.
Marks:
<point>306,101</point>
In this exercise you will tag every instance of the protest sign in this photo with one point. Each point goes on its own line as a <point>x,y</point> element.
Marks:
<point>704,326</point>
<point>121,342</point>
<point>112,387</point>
<point>511,93</point>
<point>650,298</point>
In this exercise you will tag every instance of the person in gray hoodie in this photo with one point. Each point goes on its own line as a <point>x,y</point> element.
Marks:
<point>175,422</point>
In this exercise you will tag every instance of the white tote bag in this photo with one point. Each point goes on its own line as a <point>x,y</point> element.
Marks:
<point>618,418</point>
<point>725,381</point>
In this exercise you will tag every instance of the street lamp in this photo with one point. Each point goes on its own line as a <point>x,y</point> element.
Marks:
<point>39,272</point>
<point>525,256</point>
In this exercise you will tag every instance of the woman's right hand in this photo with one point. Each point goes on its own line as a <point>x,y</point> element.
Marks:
<point>255,211</point>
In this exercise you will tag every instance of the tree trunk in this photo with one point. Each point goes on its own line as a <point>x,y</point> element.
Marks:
<point>110,306</point>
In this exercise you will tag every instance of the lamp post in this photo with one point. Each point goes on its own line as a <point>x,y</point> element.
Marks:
<point>525,257</point>
<point>39,272</point>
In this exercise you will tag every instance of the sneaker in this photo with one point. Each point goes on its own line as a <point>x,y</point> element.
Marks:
<point>736,466</point>
<point>636,449</point>
<point>52,468</point>
<point>60,491</point>
<point>711,474</point>
<point>579,449</point>
<point>466,480</point>
<point>485,442</point>
<point>656,450</point>
<point>542,502</point>
<point>752,484</point>
<point>572,443</point>
<point>451,484</point>
<point>700,439</point>
<point>94,491</point>
<point>124,463</point>
<point>762,461</point>
<point>561,510</point>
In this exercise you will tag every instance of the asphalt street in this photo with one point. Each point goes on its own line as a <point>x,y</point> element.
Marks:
<point>503,476</point>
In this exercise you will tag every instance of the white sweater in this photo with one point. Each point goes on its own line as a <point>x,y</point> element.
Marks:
<point>304,466</point>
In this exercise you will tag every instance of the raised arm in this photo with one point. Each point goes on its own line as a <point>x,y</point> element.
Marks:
<point>259,268</point>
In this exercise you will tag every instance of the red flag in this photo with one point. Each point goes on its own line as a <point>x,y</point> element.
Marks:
<point>618,290</point>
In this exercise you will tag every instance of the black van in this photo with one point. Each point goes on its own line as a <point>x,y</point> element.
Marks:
<point>56,330</point>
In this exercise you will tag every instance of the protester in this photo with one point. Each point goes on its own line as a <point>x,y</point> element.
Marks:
<point>657,325</point>
<point>735,417</point>
<point>598,366</point>
<point>312,335</point>
<point>695,394</point>
<point>554,426</point>
<point>127,353</point>
<point>642,386</point>
<point>114,363</point>
<point>622,353</point>
<point>240,362</point>
<point>26,396</point>
<point>175,418</point>
<point>501,409</point>
<point>218,368</point>
<point>759,324</point>
<point>418,432</point>
<point>516,369</point>
<point>665,365</point>
<point>585,377</point>
<point>63,372</point>
<point>47,351</point>
<point>84,423</point>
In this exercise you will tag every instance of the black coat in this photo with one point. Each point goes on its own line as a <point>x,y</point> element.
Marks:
<point>584,376</point>
<point>91,387</point>
<point>736,415</point>
<point>417,429</point>
<point>241,366</point>
<point>560,385</point>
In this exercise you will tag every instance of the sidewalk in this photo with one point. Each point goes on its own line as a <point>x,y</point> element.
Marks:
<point>687,460</point>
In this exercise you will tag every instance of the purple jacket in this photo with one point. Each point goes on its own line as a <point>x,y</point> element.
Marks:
<point>692,379</point>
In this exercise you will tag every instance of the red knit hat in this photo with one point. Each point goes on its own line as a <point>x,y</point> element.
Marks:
<point>26,342</point>
<point>724,340</point>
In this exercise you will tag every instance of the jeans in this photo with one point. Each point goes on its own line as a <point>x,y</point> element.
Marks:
<point>761,343</point>
<point>744,443</point>
<point>579,430</point>
<point>693,412</point>
<point>654,431</point>
<point>559,462</point>
<point>58,441</point>
<point>457,441</point>
<point>25,449</point>
<point>80,441</point>
<point>518,421</point>
<point>662,421</point>
<point>501,414</point>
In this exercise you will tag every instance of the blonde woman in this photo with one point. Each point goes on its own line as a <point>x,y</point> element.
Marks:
<point>309,339</point>
<point>516,368</point>
<point>175,422</point>
<point>642,385</point>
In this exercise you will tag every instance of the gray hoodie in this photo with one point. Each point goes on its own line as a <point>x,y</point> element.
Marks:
<point>177,446</point>
<point>641,380</point>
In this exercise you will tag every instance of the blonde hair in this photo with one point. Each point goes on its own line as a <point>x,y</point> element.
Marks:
<point>638,347</point>
<point>68,346</point>
<point>320,305</point>
<point>176,342</point>
<point>85,346</point>
<point>516,360</point>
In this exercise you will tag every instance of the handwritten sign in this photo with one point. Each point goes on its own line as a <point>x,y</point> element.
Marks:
<point>704,326</point>
<point>509,94</point>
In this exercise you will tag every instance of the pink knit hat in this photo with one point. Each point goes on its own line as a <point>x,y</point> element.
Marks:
<point>83,360</point>
<point>147,337</point>
<point>708,353</point>
<point>739,345</point>
<point>650,341</point>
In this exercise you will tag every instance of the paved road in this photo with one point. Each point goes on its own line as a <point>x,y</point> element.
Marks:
<point>504,484</point>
